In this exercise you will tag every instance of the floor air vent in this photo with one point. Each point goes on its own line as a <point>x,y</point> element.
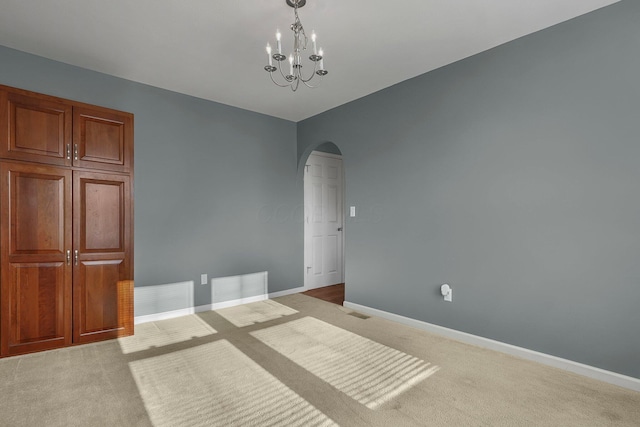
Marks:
<point>358,315</point>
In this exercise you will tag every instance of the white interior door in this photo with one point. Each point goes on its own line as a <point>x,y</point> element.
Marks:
<point>324,220</point>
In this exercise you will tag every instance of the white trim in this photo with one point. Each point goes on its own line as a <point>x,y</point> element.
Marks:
<point>330,155</point>
<point>287,292</point>
<point>192,310</point>
<point>163,316</point>
<point>546,359</point>
<point>216,306</point>
<point>231,303</point>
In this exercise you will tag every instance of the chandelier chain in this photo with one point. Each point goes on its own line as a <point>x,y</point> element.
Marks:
<point>297,26</point>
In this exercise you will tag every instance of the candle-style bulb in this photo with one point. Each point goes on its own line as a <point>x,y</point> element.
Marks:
<point>315,46</point>
<point>278,43</point>
<point>291,65</point>
<point>321,53</point>
<point>269,54</point>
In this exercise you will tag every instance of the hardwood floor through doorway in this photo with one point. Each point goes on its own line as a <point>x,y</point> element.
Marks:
<point>334,293</point>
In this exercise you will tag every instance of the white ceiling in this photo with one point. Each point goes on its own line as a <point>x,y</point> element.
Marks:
<point>215,49</point>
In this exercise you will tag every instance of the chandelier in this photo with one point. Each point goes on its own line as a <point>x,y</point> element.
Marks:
<point>300,40</point>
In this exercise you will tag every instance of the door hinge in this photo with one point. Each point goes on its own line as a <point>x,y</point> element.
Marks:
<point>306,168</point>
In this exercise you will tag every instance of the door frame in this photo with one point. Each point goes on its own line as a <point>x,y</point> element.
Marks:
<point>306,231</point>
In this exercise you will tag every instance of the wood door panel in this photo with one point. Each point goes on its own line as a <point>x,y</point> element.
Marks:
<point>103,302</point>
<point>102,139</point>
<point>103,275</point>
<point>37,213</point>
<point>36,129</point>
<point>37,312</point>
<point>100,295</point>
<point>35,289</point>
<point>106,140</point>
<point>103,216</point>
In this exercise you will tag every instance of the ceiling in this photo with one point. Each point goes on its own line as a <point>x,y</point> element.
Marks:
<point>216,49</point>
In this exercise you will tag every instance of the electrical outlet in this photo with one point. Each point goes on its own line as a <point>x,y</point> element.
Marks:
<point>203,279</point>
<point>447,292</point>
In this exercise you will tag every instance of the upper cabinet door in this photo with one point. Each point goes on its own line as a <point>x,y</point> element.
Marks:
<point>34,128</point>
<point>102,139</point>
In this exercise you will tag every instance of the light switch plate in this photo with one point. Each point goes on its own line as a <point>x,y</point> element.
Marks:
<point>203,279</point>
<point>352,211</point>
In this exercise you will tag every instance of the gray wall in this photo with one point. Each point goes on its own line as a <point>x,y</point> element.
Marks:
<point>216,189</point>
<point>513,176</point>
<point>328,147</point>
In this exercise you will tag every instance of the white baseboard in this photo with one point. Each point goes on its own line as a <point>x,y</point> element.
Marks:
<point>163,316</point>
<point>191,310</point>
<point>232,303</point>
<point>215,306</point>
<point>546,359</point>
<point>287,292</point>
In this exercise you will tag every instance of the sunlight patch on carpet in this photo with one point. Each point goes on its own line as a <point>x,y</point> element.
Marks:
<point>369,372</point>
<point>215,384</point>
<point>256,312</point>
<point>165,332</point>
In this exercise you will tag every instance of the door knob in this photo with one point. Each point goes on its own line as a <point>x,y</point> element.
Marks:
<point>339,228</point>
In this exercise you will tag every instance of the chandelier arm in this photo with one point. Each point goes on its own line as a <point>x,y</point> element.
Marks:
<point>278,84</point>
<point>301,73</point>
<point>306,80</point>
<point>312,86</point>
<point>294,87</point>
<point>313,73</point>
<point>282,74</point>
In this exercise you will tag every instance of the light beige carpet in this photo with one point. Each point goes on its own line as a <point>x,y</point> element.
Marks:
<point>298,362</point>
<point>259,312</point>
<point>215,384</point>
<point>160,334</point>
<point>364,370</point>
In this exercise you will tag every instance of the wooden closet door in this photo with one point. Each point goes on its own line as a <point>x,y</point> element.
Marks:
<point>36,272</point>
<point>102,139</point>
<point>103,271</point>
<point>35,128</point>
